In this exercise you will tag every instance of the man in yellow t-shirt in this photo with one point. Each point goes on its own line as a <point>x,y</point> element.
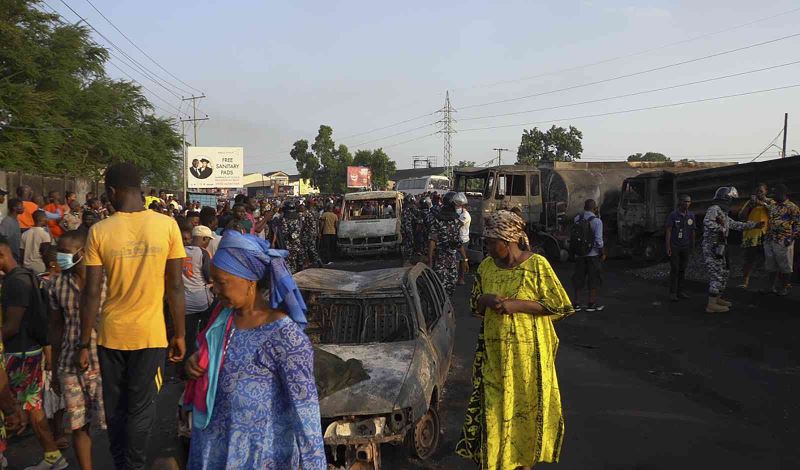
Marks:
<point>142,254</point>
<point>754,210</point>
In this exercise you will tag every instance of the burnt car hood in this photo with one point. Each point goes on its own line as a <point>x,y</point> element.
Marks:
<point>388,367</point>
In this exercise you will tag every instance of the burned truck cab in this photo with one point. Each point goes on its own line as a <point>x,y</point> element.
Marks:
<point>500,187</point>
<point>644,205</point>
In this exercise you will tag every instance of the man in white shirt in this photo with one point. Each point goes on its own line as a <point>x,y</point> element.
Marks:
<point>32,241</point>
<point>463,215</point>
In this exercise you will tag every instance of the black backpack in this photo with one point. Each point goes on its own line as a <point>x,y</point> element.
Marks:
<point>34,324</point>
<point>581,236</point>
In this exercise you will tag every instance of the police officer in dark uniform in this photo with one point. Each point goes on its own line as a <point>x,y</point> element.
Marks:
<point>310,234</point>
<point>408,224</point>
<point>289,230</point>
<point>444,240</point>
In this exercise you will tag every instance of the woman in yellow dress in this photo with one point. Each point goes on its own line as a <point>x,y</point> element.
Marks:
<point>514,417</point>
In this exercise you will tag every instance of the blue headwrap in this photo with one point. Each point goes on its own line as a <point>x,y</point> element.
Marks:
<point>249,257</point>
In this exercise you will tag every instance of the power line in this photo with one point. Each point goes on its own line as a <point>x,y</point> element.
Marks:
<point>578,67</point>
<point>768,146</point>
<point>410,140</point>
<point>627,95</point>
<point>143,70</point>
<point>633,74</point>
<point>626,111</point>
<point>140,49</point>
<point>387,126</point>
<point>154,94</point>
<point>641,52</point>
<point>395,135</point>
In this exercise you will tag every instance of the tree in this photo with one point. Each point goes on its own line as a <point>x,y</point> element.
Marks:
<point>380,164</point>
<point>325,165</point>
<point>555,145</point>
<point>465,164</point>
<point>60,113</point>
<point>649,157</point>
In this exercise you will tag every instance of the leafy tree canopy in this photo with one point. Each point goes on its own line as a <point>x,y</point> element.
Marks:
<point>325,164</point>
<point>649,157</point>
<point>557,144</point>
<point>465,164</point>
<point>380,164</point>
<point>60,112</point>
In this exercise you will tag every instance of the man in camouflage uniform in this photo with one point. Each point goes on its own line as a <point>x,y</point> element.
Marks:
<point>421,239</point>
<point>289,230</point>
<point>444,240</point>
<point>408,225</point>
<point>310,234</point>
<point>716,226</point>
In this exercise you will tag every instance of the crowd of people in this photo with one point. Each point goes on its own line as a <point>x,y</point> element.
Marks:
<point>770,229</point>
<point>98,296</point>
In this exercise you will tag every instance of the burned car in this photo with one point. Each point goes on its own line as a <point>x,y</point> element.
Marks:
<point>399,324</point>
<point>370,223</point>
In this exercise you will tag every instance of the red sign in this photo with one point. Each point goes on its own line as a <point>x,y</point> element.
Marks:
<point>359,177</point>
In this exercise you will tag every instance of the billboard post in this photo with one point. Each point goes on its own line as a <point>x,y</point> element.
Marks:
<point>359,177</point>
<point>215,167</point>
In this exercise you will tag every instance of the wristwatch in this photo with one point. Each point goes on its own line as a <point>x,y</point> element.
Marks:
<point>80,346</point>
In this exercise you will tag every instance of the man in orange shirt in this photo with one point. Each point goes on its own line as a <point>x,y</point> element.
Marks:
<point>25,194</point>
<point>55,206</point>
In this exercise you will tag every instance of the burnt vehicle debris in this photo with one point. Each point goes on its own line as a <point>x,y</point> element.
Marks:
<point>549,196</point>
<point>648,199</point>
<point>370,223</point>
<point>399,324</point>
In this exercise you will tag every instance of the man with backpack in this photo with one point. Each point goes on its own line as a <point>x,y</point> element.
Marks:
<point>24,333</point>
<point>586,244</point>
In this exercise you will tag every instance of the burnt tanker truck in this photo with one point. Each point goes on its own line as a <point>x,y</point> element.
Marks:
<point>647,199</point>
<point>548,196</point>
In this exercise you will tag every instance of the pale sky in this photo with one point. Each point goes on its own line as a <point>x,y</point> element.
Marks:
<point>274,71</point>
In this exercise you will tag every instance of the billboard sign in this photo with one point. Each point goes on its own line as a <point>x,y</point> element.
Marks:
<point>359,177</point>
<point>215,167</point>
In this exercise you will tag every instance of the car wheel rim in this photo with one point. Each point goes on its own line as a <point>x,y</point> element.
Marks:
<point>426,435</point>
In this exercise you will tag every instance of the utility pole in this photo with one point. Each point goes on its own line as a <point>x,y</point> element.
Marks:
<point>194,121</point>
<point>785,125</point>
<point>500,155</point>
<point>446,129</point>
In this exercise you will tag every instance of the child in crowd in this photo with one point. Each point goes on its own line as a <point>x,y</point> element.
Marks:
<point>81,390</point>
<point>32,241</point>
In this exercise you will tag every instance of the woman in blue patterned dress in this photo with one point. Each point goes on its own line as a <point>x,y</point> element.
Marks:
<point>253,398</point>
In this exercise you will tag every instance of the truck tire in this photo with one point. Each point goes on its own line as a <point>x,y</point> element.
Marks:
<point>549,248</point>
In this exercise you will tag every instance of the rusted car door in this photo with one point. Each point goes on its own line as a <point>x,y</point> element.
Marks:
<point>439,321</point>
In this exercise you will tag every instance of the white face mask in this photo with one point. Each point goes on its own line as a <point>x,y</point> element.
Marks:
<point>460,210</point>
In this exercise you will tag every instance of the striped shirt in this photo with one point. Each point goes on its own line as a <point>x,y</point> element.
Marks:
<point>65,296</point>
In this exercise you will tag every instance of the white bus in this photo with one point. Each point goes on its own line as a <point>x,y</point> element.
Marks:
<point>415,186</point>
